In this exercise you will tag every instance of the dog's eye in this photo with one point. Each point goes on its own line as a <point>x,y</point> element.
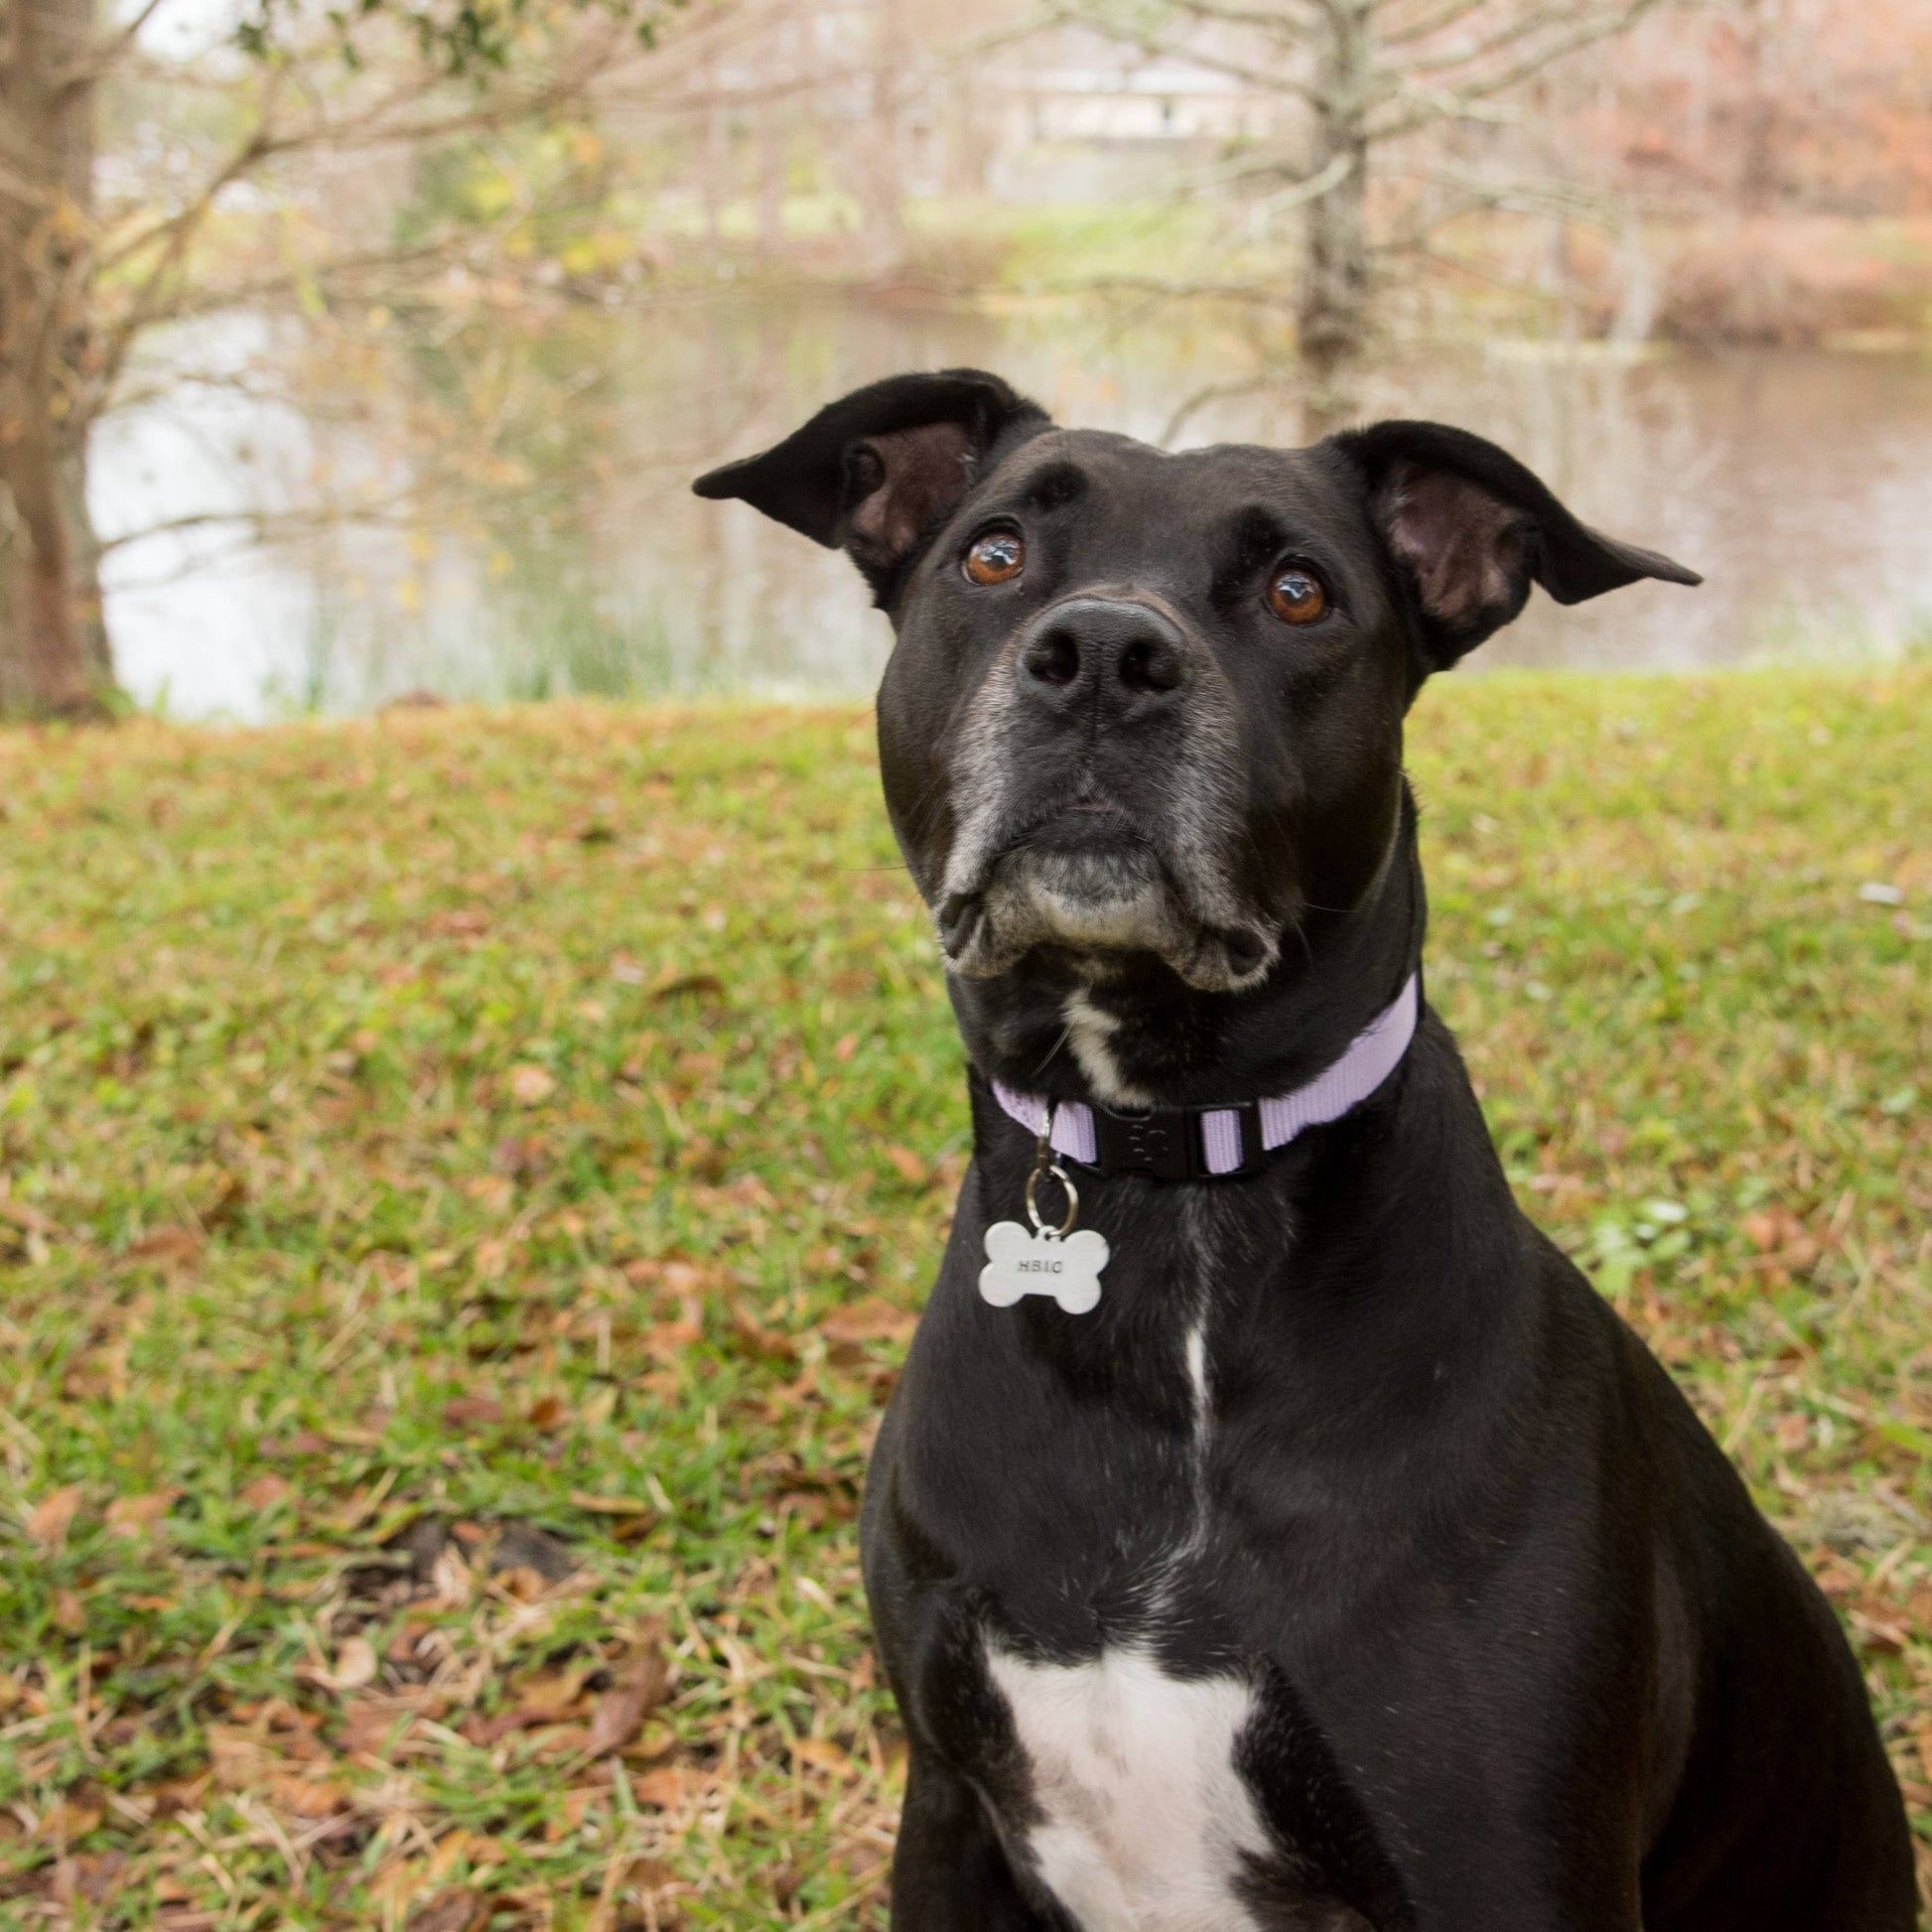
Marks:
<point>995,558</point>
<point>1296,598</point>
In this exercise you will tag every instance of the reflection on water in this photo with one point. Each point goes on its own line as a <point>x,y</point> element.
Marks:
<point>1799,483</point>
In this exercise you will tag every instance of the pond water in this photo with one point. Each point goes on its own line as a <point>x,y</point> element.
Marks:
<point>574,558</point>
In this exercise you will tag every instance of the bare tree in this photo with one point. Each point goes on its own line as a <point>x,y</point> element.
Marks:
<point>84,276</point>
<point>1360,77</point>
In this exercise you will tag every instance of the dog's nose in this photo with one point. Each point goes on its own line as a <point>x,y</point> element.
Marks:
<point>1107,644</point>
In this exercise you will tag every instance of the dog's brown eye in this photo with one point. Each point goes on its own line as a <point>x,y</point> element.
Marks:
<point>1296,598</point>
<point>996,558</point>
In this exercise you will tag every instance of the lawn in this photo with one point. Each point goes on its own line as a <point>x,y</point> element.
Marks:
<point>466,1179</point>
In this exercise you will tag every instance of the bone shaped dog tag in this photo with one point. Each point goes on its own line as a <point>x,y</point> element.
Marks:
<point>1039,1261</point>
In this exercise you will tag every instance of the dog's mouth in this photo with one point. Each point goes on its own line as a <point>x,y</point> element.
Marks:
<point>1083,876</point>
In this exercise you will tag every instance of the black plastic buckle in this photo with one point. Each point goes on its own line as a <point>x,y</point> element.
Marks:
<point>1164,1143</point>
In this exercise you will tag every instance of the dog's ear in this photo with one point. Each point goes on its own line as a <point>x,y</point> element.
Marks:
<point>878,470</point>
<point>1472,529</point>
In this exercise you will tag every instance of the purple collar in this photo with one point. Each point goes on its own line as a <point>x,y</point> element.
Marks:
<point>1225,1142</point>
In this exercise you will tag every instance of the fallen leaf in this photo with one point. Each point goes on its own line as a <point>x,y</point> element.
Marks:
<point>547,1411</point>
<point>238,1758</point>
<point>846,1048</point>
<point>167,1245</point>
<point>137,1516</point>
<point>69,1613</point>
<point>622,1708</point>
<point>472,1407</point>
<point>265,1491</point>
<point>908,1165</point>
<point>703,986</point>
<point>97,1874</point>
<point>822,1754</point>
<point>67,1819</point>
<point>669,1339</point>
<point>543,1699</point>
<point>52,1514</point>
<point>308,1797</point>
<point>531,1085</point>
<point>354,1664</point>
<point>611,1505</point>
<point>372,1727</point>
<point>869,1320</point>
<point>451,1912</point>
<point>664,1789</point>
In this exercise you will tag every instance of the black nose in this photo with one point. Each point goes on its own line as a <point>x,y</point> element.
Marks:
<point>1113,645</point>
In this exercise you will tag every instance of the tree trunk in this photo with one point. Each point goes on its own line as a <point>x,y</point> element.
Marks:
<point>1334,294</point>
<point>54,657</point>
<point>882,187</point>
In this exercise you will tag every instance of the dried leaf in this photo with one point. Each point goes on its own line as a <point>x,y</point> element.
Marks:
<point>611,1505</point>
<point>472,1407</point>
<point>622,1708</point>
<point>137,1516</point>
<point>29,1220</point>
<point>52,1514</point>
<point>239,1758</point>
<point>168,1246</point>
<point>822,1754</point>
<point>265,1491</point>
<point>869,1320</point>
<point>354,1664</point>
<point>664,1789</point>
<point>701,986</point>
<point>908,1165</point>
<point>531,1085</point>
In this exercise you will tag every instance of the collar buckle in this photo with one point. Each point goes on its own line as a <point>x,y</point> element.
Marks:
<point>1161,1143</point>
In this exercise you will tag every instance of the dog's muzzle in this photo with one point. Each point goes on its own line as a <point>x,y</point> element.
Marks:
<point>1098,792</point>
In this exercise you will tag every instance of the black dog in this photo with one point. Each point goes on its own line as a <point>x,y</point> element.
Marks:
<point>1350,1563</point>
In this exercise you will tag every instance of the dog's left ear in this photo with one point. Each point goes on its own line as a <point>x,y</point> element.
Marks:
<point>1472,529</point>
<point>878,470</point>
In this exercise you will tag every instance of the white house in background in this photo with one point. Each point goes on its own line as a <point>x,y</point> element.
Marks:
<point>1161,101</point>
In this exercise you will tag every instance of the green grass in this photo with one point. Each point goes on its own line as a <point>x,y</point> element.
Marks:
<point>420,1132</point>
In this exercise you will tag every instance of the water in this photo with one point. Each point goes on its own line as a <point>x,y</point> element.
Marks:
<point>557,547</point>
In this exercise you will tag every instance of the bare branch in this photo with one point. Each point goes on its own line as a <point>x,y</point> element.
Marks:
<point>1512,33</point>
<point>89,70</point>
<point>1274,25</point>
<point>1429,24</point>
<point>1459,101</point>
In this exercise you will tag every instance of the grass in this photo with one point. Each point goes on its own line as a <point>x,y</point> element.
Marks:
<point>466,1178</point>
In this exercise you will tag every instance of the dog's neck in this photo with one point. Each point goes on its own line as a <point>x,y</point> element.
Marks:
<point>1125,1031</point>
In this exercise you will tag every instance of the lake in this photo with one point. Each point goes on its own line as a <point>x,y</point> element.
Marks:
<point>522,524</point>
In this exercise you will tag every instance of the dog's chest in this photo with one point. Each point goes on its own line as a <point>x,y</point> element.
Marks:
<point>1141,1821</point>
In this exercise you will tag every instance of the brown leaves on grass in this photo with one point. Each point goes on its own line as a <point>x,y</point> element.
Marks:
<point>52,1516</point>
<point>642,1685</point>
<point>870,1320</point>
<point>531,1085</point>
<point>168,1247</point>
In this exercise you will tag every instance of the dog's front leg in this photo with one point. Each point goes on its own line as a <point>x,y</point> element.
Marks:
<point>950,1872</point>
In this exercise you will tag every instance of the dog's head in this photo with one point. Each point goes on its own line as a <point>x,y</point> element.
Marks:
<point>1152,704</point>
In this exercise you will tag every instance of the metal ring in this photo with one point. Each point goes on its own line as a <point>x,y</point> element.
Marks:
<point>1073,1198</point>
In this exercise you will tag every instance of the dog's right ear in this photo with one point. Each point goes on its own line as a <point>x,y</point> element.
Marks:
<point>878,470</point>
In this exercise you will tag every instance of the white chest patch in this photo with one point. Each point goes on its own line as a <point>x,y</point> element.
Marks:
<point>1146,1818</point>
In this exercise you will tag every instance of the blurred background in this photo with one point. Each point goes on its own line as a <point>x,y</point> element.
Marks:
<point>357,354</point>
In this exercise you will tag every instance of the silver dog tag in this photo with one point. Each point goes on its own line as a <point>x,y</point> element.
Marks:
<point>1041,1260</point>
